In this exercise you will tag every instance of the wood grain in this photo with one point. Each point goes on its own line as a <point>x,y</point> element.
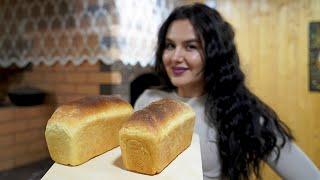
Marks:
<point>272,38</point>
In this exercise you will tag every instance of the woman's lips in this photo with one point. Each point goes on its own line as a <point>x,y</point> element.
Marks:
<point>179,70</point>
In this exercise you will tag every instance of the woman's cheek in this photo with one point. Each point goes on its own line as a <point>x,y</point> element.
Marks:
<point>165,58</point>
<point>166,61</point>
<point>195,56</point>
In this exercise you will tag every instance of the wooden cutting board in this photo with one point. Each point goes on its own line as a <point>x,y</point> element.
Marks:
<point>187,166</point>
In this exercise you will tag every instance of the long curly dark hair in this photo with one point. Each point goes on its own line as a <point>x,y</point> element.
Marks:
<point>248,129</point>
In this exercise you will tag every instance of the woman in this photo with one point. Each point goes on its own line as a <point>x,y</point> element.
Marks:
<point>197,58</point>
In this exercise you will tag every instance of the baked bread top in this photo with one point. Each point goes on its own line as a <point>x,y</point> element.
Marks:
<point>79,112</point>
<point>159,116</point>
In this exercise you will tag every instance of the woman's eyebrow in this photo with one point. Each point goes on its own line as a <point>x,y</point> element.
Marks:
<point>192,41</point>
<point>186,41</point>
<point>169,40</point>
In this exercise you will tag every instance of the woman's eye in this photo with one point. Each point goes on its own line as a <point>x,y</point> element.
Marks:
<point>169,46</point>
<point>191,47</point>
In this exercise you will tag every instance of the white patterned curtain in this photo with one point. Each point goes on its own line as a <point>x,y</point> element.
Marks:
<point>50,31</point>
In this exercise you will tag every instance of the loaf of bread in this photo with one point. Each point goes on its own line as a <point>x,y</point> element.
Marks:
<point>156,135</point>
<point>83,129</point>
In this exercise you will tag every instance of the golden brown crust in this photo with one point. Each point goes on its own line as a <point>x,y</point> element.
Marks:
<point>154,136</point>
<point>158,113</point>
<point>72,113</point>
<point>83,129</point>
<point>97,101</point>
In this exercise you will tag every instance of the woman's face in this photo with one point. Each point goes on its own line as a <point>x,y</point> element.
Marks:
<point>182,56</point>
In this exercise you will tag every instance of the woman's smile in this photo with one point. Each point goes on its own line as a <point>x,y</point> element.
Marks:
<point>178,71</point>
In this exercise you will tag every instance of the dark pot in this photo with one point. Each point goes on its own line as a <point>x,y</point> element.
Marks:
<point>26,96</point>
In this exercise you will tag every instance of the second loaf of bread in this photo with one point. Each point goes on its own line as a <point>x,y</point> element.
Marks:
<point>83,129</point>
<point>156,135</point>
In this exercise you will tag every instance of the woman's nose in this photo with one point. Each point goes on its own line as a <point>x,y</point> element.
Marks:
<point>178,55</point>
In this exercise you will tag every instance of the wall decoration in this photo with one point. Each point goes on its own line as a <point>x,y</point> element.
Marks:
<point>314,56</point>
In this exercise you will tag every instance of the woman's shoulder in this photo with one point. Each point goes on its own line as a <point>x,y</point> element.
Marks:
<point>155,93</point>
<point>148,96</point>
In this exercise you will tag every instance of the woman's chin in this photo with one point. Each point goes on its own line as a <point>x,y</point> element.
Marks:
<point>179,84</point>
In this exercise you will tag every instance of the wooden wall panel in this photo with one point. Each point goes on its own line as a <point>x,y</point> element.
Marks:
<point>272,38</point>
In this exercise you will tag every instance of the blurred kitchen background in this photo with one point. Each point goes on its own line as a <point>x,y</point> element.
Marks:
<point>55,51</point>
